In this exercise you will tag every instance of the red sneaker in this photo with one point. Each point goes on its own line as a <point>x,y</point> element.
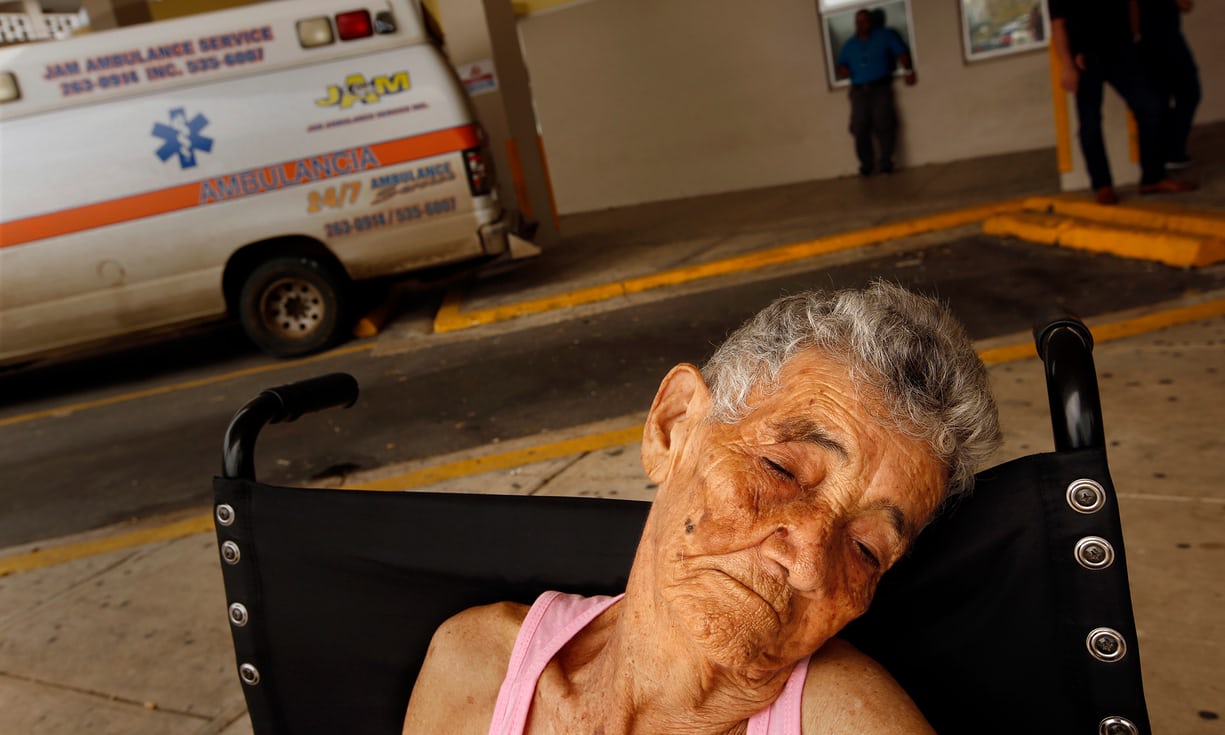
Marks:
<point>1168,186</point>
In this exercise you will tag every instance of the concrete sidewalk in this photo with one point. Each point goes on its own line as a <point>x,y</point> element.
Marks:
<point>136,641</point>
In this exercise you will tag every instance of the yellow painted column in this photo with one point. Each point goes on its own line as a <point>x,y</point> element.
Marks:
<point>1117,130</point>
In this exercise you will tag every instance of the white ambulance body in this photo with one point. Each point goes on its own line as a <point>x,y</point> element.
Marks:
<point>252,162</point>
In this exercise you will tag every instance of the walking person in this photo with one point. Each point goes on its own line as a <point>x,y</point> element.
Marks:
<point>867,58</point>
<point>1097,44</point>
<point>1169,58</point>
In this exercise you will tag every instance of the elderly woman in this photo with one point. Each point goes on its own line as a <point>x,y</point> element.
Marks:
<point>793,471</point>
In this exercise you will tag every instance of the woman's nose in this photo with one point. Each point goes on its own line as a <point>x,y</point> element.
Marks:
<point>801,548</point>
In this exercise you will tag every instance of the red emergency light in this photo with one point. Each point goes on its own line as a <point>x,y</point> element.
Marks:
<point>354,24</point>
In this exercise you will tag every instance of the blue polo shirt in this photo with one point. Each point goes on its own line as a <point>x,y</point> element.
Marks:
<point>870,60</point>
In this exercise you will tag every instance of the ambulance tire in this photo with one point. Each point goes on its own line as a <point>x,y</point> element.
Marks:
<point>293,305</point>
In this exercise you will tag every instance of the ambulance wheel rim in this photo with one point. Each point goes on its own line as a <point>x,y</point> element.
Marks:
<point>292,308</point>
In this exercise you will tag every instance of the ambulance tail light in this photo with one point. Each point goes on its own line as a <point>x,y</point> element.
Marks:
<point>9,90</point>
<point>314,32</point>
<point>479,182</point>
<point>354,24</point>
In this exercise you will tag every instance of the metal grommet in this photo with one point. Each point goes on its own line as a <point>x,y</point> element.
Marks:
<point>249,674</point>
<point>1105,644</point>
<point>225,514</point>
<point>238,614</point>
<point>1086,496</point>
<point>230,552</point>
<point>1094,552</point>
<point>1117,726</point>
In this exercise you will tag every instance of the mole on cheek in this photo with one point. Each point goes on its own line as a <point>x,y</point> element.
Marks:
<point>688,526</point>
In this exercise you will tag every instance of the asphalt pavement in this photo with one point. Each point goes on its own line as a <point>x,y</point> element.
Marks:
<point>121,628</point>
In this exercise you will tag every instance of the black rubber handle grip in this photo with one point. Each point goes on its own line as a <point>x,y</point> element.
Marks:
<point>314,394</point>
<point>276,405</point>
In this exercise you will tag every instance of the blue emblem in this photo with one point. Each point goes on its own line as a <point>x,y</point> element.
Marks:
<point>182,137</point>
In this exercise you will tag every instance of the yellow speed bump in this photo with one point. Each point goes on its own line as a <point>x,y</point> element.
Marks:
<point>1171,248</point>
<point>1148,215</point>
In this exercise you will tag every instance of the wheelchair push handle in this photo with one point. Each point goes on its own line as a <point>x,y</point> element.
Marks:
<point>335,390</point>
<point>276,405</point>
<point>1065,345</point>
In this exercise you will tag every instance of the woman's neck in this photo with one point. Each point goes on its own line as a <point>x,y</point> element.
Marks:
<point>633,670</point>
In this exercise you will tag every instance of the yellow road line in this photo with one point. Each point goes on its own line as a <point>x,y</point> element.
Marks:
<point>451,318</point>
<point>72,408</point>
<point>1102,332</point>
<point>1109,331</point>
<point>505,460</point>
<point>54,555</point>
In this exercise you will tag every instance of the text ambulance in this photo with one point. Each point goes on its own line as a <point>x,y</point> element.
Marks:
<point>253,162</point>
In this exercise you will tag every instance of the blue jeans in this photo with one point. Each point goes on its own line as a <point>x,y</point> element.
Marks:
<point>1124,71</point>
<point>1177,78</point>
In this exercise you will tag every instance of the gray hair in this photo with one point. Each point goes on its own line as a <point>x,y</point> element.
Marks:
<point>908,347</point>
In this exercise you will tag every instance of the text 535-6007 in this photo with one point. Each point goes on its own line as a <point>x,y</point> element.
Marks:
<point>398,216</point>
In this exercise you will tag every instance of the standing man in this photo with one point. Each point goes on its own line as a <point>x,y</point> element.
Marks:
<point>1097,43</point>
<point>1168,56</point>
<point>867,58</point>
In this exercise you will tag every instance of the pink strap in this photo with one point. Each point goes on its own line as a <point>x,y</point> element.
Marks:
<point>553,620</point>
<point>783,717</point>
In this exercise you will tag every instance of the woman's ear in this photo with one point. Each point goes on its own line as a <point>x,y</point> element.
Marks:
<point>682,398</point>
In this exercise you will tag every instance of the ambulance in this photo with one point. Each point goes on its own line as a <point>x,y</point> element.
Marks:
<point>257,162</point>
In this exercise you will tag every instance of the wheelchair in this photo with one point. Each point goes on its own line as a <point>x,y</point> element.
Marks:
<point>1011,614</point>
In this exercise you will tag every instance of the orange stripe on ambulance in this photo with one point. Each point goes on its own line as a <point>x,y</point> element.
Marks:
<point>271,178</point>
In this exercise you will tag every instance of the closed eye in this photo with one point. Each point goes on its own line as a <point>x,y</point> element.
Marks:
<point>777,469</point>
<point>866,553</point>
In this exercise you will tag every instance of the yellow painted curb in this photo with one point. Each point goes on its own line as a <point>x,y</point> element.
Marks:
<point>1153,216</point>
<point>451,318</point>
<point>1103,332</point>
<point>1171,248</point>
<point>54,555</point>
<point>504,460</point>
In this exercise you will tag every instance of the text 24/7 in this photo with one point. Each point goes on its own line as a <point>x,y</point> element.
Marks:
<point>399,216</point>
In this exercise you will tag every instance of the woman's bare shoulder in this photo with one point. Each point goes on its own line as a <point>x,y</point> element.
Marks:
<point>846,691</point>
<point>457,688</point>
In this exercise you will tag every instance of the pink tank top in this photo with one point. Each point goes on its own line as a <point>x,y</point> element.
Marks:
<point>554,619</point>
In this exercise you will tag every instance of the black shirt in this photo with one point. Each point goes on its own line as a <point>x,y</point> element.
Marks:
<point>1096,28</point>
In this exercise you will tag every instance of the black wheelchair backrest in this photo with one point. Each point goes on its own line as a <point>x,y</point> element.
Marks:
<point>1012,614</point>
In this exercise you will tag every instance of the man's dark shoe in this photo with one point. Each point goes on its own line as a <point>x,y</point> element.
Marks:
<point>886,168</point>
<point>865,170</point>
<point>1105,195</point>
<point>1168,186</point>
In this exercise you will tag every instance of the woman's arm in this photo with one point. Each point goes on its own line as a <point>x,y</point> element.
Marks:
<point>457,688</point>
<point>848,692</point>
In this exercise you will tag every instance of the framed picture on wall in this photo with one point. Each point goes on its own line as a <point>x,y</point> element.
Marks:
<point>838,20</point>
<point>991,28</point>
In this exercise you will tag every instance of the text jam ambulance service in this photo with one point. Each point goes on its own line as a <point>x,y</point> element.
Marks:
<point>253,162</point>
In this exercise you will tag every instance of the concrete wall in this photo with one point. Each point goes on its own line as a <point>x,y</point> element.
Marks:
<point>643,100</point>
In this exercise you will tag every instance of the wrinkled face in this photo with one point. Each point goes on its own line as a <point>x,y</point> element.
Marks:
<point>773,532</point>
